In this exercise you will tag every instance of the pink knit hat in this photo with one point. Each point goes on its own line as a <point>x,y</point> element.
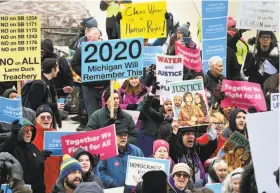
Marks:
<point>159,143</point>
<point>231,22</point>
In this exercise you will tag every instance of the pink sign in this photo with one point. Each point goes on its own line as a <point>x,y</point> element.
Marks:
<point>101,141</point>
<point>192,59</point>
<point>243,95</point>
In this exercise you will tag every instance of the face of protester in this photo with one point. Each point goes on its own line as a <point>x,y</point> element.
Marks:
<point>55,71</point>
<point>13,95</point>
<point>116,99</point>
<point>240,121</point>
<point>265,41</point>
<point>93,35</point>
<point>179,35</point>
<point>44,120</point>
<point>161,153</point>
<point>134,82</point>
<point>236,184</point>
<point>146,42</point>
<point>221,171</point>
<point>27,134</point>
<point>73,179</point>
<point>188,139</point>
<point>181,179</point>
<point>85,163</point>
<point>219,125</point>
<point>199,77</point>
<point>217,68</point>
<point>227,110</point>
<point>122,139</point>
<point>178,101</point>
<point>168,107</point>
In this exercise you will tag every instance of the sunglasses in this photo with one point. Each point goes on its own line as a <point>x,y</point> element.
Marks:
<point>182,174</point>
<point>45,117</point>
<point>27,130</point>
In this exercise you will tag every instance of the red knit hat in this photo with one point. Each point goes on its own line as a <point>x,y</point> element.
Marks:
<point>159,143</point>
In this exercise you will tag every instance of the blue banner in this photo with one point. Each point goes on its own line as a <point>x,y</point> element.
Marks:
<point>214,31</point>
<point>112,59</point>
<point>52,141</point>
<point>10,110</point>
<point>150,55</point>
<point>217,187</point>
<point>6,188</point>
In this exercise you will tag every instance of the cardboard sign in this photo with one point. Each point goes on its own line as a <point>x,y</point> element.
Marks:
<point>192,59</point>
<point>275,101</point>
<point>236,151</point>
<point>20,47</point>
<point>134,115</point>
<point>10,110</point>
<point>150,53</point>
<point>243,95</point>
<point>265,148</point>
<point>189,102</point>
<point>260,15</point>
<point>214,31</point>
<point>101,141</point>
<point>168,69</point>
<point>143,20</point>
<point>138,166</point>
<point>52,142</point>
<point>112,59</point>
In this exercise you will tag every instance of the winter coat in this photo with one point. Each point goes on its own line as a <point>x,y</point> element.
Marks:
<point>165,129</point>
<point>58,187</point>
<point>90,176</point>
<point>86,187</point>
<point>204,140</point>
<point>113,170</point>
<point>232,125</point>
<point>174,189</point>
<point>232,66</point>
<point>76,66</point>
<point>52,164</point>
<point>253,63</point>
<point>29,157</point>
<point>100,118</point>
<point>211,83</point>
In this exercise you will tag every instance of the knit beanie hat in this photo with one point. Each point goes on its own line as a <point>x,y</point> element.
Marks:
<point>185,29</point>
<point>159,143</point>
<point>91,23</point>
<point>107,94</point>
<point>230,22</point>
<point>43,109</point>
<point>8,92</point>
<point>181,167</point>
<point>69,165</point>
<point>88,187</point>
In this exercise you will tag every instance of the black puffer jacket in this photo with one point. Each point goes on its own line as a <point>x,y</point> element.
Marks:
<point>165,129</point>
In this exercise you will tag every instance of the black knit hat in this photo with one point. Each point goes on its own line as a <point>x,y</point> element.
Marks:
<point>107,94</point>
<point>43,109</point>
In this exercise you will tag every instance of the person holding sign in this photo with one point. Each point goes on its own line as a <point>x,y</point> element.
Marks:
<point>113,170</point>
<point>183,149</point>
<point>21,147</point>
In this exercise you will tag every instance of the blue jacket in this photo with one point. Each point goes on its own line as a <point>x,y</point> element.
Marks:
<point>113,170</point>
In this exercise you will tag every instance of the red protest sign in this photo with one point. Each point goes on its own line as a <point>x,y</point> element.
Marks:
<point>192,59</point>
<point>243,95</point>
<point>101,141</point>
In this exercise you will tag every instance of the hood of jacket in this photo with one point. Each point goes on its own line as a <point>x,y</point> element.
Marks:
<point>58,187</point>
<point>47,47</point>
<point>171,183</point>
<point>81,151</point>
<point>232,118</point>
<point>25,124</point>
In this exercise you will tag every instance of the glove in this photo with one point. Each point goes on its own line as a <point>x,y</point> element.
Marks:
<point>241,31</point>
<point>251,41</point>
<point>15,127</point>
<point>218,94</point>
<point>45,154</point>
<point>155,88</point>
<point>119,17</point>
<point>152,69</point>
<point>131,106</point>
<point>96,159</point>
<point>252,110</point>
<point>167,16</point>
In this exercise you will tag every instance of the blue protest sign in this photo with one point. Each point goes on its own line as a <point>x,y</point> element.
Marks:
<point>212,9</point>
<point>112,59</point>
<point>216,187</point>
<point>52,141</point>
<point>10,110</point>
<point>150,54</point>
<point>213,28</point>
<point>215,47</point>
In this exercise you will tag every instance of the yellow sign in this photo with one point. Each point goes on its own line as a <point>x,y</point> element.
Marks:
<point>20,47</point>
<point>143,20</point>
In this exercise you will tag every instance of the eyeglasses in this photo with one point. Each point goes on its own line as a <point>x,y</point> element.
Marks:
<point>27,130</point>
<point>45,117</point>
<point>265,37</point>
<point>219,124</point>
<point>182,174</point>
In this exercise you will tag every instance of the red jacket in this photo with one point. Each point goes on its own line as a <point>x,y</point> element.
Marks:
<point>52,164</point>
<point>204,140</point>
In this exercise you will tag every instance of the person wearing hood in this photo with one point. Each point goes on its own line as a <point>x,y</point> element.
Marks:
<point>161,151</point>
<point>89,164</point>
<point>88,187</point>
<point>217,171</point>
<point>44,117</point>
<point>237,122</point>
<point>101,118</point>
<point>179,180</point>
<point>70,176</point>
<point>183,149</point>
<point>153,182</point>
<point>232,181</point>
<point>271,85</point>
<point>31,159</point>
<point>265,62</point>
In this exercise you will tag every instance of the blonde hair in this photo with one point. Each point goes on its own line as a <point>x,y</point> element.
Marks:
<point>217,116</point>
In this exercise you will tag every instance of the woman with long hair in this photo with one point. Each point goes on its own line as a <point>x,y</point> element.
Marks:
<point>199,101</point>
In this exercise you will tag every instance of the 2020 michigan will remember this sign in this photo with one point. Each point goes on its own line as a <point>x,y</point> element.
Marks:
<point>20,47</point>
<point>112,59</point>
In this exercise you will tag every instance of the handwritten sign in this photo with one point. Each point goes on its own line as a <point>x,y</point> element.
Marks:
<point>143,20</point>
<point>20,47</point>
<point>260,15</point>
<point>275,101</point>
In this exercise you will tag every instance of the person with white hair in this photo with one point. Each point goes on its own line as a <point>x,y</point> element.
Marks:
<point>217,171</point>
<point>232,181</point>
